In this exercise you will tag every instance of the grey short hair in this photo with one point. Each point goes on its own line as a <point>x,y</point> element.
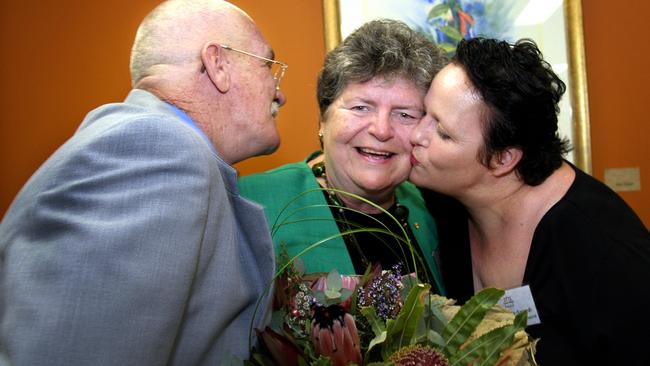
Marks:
<point>387,48</point>
<point>171,34</point>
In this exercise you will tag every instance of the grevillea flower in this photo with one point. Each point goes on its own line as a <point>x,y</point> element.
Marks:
<point>418,355</point>
<point>334,335</point>
<point>282,350</point>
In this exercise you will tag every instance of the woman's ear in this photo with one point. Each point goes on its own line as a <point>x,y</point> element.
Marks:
<point>216,66</point>
<point>506,161</point>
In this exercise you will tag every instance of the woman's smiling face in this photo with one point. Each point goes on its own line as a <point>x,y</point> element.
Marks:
<point>366,135</point>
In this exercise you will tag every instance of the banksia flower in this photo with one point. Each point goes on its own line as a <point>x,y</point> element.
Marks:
<point>418,355</point>
<point>334,335</point>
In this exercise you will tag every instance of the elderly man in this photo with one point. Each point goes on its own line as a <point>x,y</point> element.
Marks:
<point>131,244</point>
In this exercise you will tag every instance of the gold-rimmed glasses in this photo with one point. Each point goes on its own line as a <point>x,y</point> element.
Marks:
<point>277,68</point>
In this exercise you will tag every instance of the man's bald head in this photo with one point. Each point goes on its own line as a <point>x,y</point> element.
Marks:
<point>229,94</point>
<point>175,31</point>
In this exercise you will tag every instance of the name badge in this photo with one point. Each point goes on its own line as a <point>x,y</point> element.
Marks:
<point>519,299</point>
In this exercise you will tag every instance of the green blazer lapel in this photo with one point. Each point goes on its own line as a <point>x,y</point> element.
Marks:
<point>423,227</point>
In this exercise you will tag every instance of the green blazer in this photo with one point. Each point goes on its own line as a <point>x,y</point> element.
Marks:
<point>298,215</point>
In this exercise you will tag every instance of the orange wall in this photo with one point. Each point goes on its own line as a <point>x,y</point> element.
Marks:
<point>617,53</point>
<point>59,60</point>
<point>294,28</point>
<point>62,58</point>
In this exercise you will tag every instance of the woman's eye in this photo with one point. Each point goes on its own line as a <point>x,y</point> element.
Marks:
<point>406,117</point>
<point>443,135</point>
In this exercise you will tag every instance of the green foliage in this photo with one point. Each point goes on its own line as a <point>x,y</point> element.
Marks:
<point>378,328</point>
<point>277,320</point>
<point>408,282</point>
<point>452,33</point>
<point>431,324</point>
<point>463,324</point>
<point>421,321</point>
<point>402,331</point>
<point>434,339</point>
<point>486,349</point>
<point>335,293</point>
<point>433,315</point>
<point>438,10</point>
<point>334,280</point>
<point>321,361</point>
<point>448,47</point>
<point>260,359</point>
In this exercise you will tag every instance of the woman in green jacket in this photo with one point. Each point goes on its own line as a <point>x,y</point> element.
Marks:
<point>370,94</point>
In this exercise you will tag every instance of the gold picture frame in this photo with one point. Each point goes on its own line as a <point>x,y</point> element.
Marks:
<point>580,131</point>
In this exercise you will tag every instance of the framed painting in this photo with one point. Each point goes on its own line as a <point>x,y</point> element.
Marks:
<point>555,25</point>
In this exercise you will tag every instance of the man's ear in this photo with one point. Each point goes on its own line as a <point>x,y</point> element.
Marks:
<point>506,161</point>
<point>216,66</point>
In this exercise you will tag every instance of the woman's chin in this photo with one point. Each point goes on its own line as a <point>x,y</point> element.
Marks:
<point>372,190</point>
<point>418,178</point>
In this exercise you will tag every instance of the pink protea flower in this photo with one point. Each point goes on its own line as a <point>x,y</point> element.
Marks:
<point>334,335</point>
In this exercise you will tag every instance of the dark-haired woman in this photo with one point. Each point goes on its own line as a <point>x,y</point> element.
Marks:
<point>513,214</point>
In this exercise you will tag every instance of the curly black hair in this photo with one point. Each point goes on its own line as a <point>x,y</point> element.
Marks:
<point>522,94</point>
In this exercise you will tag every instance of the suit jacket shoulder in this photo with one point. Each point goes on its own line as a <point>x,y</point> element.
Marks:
<point>131,225</point>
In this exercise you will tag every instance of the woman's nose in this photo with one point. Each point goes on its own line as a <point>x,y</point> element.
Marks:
<point>417,133</point>
<point>381,127</point>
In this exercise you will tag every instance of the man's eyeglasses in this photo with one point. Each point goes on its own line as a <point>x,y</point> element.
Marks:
<point>277,68</point>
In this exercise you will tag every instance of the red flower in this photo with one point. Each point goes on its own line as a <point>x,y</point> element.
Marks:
<point>282,350</point>
<point>334,335</point>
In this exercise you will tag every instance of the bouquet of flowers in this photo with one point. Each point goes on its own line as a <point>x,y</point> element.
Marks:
<point>384,317</point>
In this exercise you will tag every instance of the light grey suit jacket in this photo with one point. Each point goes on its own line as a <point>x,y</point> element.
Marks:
<point>132,246</point>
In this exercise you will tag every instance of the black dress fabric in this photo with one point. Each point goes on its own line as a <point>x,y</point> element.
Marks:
<point>588,270</point>
<point>370,248</point>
